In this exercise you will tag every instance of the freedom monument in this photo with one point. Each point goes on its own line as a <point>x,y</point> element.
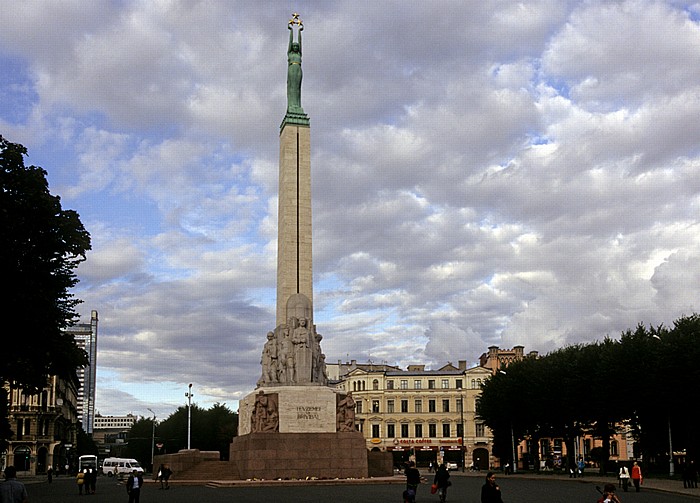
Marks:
<point>293,425</point>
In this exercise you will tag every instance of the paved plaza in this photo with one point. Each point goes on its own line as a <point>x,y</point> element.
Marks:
<point>466,488</point>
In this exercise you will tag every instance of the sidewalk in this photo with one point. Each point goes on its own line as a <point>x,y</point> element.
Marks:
<point>649,484</point>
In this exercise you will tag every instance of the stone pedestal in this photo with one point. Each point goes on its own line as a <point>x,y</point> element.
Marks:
<point>299,409</point>
<point>298,436</point>
<point>300,455</point>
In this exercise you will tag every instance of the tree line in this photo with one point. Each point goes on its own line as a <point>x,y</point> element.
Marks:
<point>211,429</point>
<point>645,383</point>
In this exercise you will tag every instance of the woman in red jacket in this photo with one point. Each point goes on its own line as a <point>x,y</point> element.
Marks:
<point>636,476</point>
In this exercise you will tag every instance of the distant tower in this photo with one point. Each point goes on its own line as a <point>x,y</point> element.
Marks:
<point>85,335</point>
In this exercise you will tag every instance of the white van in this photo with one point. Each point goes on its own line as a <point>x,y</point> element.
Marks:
<point>120,466</point>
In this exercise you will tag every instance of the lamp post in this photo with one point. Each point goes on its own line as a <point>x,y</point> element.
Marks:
<point>153,438</point>
<point>189,396</point>
<point>512,438</point>
<point>671,469</point>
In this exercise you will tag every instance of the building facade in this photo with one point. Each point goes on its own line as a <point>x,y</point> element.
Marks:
<point>45,428</point>
<point>428,416</point>
<point>85,335</point>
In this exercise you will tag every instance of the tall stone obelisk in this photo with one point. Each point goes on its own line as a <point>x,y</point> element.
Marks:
<point>294,264</point>
<point>294,425</point>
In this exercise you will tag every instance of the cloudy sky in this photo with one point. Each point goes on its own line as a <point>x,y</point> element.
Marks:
<point>484,173</point>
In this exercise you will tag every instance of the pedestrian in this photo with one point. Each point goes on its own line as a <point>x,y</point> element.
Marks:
<point>92,482</point>
<point>692,474</point>
<point>490,492</point>
<point>609,495</point>
<point>624,476</point>
<point>80,480</point>
<point>133,486</point>
<point>49,474</point>
<point>442,481</point>
<point>164,473</point>
<point>12,490</point>
<point>412,481</point>
<point>636,476</point>
<point>581,467</point>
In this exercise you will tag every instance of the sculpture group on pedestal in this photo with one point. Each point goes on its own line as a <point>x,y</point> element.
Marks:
<point>292,355</point>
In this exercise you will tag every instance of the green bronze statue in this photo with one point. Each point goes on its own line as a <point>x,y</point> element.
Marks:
<point>294,73</point>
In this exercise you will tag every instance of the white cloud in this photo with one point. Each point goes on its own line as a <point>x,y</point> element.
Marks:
<point>503,174</point>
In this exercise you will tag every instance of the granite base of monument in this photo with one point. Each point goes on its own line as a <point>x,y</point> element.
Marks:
<point>300,455</point>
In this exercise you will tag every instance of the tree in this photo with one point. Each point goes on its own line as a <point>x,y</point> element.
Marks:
<point>40,246</point>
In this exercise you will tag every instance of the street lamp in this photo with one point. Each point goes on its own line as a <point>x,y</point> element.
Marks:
<point>189,396</point>
<point>671,469</point>
<point>512,437</point>
<point>153,438</point>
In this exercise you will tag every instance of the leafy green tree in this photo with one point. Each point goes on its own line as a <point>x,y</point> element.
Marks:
<point>42,244</point>
<point>140,442</point>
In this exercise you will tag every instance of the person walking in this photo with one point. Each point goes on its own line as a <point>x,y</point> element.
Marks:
<point>164,473</point>
<point>12,490</point>
<point>442,481</point>
<point>133,486</point>
<point>490,491</point>
<point>609,495</point>
<point>624,476</point>
<point>412,481</point>
<point>49,474</point>
<point>636,476</point>
<point>80,480</point>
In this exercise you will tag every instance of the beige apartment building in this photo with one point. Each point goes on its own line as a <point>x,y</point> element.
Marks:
<point>424,415</point>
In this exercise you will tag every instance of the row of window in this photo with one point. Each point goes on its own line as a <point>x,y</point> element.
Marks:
<point>417,406</point>
<point>419,433</point>
<point>360,385</point>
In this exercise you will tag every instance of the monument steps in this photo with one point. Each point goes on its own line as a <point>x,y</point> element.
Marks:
<point>209,470</point>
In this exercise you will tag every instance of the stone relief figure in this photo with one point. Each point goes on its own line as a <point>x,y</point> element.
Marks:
<point>303,356</point>
<point>294,73</point>
<point>265,416</point>
<point>269,361</point>
<point>287,372</point>
<point>345,413</point>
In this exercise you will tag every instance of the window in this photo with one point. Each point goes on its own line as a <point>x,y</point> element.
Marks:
<point>375,406</point>
<point>446,430</point>
<point>431,405</point>
<point>418,406</point>
<point>391,430</point>
<point>432,430</point>
<point>459,402</point>
<point>460,430</point>
<point>390,384</point>
<point>614,448</point>
<point>358,407</point>
<point>390,406</point>
<point>419,430</point>
<point>404,405</point>
<point>480,430</point>
<point>404,383</point>
<point>417,384</point>
<point>404,430</point>
<point>375,431</point>
<point>375,385</point>
<point>458,383</point>
<point>431,383</point>
<point>445,384</point>
<point>446,405</point>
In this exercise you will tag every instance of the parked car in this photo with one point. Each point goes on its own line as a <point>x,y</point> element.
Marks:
<point>451,466</point>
